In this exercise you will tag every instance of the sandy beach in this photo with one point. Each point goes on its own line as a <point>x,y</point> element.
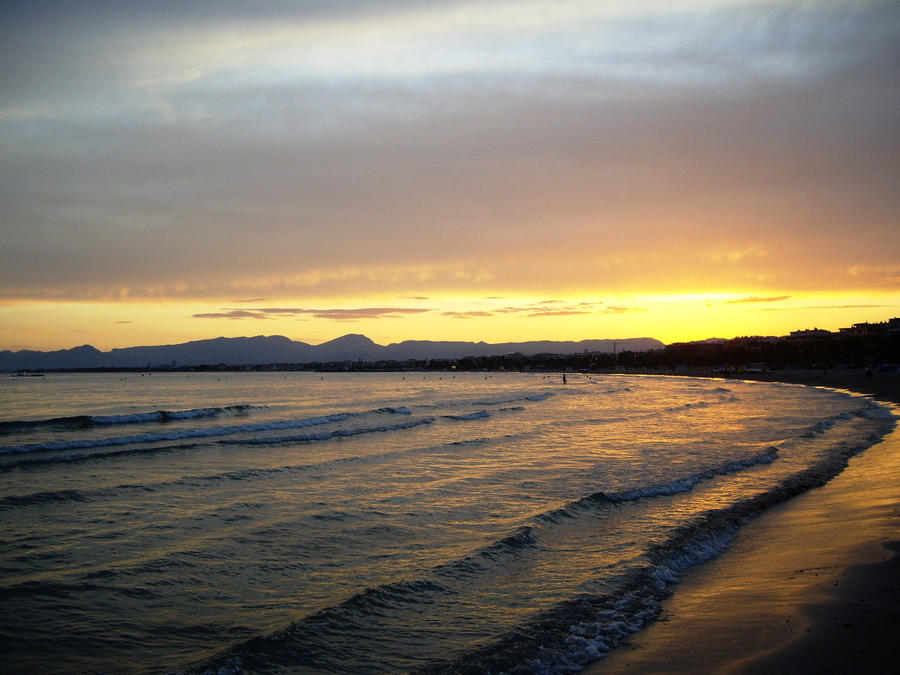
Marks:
<point>768,605</point>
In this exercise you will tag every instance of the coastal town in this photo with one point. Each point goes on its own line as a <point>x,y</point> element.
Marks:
<point>865,347</point>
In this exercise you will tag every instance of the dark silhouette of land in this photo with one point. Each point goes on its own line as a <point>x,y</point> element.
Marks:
<point>280,353</point>
<point>747,356</point>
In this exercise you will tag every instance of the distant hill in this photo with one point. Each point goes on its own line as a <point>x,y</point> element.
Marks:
<point>278,349</point>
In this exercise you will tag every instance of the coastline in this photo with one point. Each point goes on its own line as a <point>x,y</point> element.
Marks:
<point>767,605</point>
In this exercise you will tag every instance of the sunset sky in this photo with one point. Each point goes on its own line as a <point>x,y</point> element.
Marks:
<point>481,170</point>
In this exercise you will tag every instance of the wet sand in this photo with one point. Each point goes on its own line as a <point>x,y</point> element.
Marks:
<point>811,586</point>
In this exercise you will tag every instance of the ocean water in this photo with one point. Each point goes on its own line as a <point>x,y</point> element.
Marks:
<point>401,522</point>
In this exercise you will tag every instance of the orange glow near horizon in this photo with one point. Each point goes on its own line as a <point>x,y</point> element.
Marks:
<point>454,170</point>
<point>47,326</point>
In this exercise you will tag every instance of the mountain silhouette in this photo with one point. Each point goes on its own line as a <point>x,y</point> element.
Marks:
<point>263,349</point>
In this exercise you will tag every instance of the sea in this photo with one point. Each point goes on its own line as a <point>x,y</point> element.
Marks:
<point>424,522</point>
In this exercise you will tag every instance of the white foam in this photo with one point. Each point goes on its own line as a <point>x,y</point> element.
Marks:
<point>173,435</point>
<point>687,483</point>
<point>481,414</point>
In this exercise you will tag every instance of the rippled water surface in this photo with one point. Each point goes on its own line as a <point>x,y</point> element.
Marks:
<point>379,522</point>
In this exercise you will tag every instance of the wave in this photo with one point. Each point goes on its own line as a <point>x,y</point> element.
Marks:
<point>308,641</point>
<point>699,404</point>
<point>826,424</point>
<point>685,484</point>
<point>488,557</point>
<point>237,475</point>
<point>171,436</point>
<point>565,637</point>
<point>191,433</point>
<point>337,433</point>
<point>400,410</point>
<point>675,486</point>
<point>145,450</point>
<point>583,629</point>
<point>86,421</point>
<point>65,591</point>
<point>480,415</point>
<point>31,461</point>
<point>543,396</point>
<point>539,397</point>
<point>40,498</point>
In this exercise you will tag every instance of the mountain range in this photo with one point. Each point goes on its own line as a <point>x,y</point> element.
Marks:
<point>278,349</point>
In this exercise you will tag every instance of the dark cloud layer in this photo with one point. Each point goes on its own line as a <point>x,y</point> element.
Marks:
<point>335,149</point>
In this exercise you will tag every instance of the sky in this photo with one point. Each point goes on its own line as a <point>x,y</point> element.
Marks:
<point>447,170</point>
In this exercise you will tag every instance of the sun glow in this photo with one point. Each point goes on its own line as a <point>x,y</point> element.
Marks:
<point>462,170</point>
<point>387,319</point>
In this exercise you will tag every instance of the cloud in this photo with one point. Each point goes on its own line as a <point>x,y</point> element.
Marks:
<point>539,309</point>
<point>560,312</point>
<point>477,148</point>
<point>365,313</point>
<point>549,308</point>
<point>333,314</point>
<point>622,310</point>
<point>542,306</point>
<point>468,315</point>
<point>778,298</point>
<point>123,322</point>
<point>787,309</point>
<point>231,314</point>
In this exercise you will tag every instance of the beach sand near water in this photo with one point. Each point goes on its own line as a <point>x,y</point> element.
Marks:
<point>812,586</point>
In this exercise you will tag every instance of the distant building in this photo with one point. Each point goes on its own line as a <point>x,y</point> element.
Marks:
<point>751,340</point>
<point>812,334</point>
<point>866,329</point>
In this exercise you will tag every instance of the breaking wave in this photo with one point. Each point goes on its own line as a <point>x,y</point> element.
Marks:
<point>86,421</point>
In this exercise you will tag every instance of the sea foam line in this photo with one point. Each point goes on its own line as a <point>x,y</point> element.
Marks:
<point>581,630</point>
<point>480,415</point>
<point>676,486</point>
<point>562,639</point>
<point>304,639</point>
<point>543,396</point>
<point>82,421</point>
<point>309,641</point>
<point>173,435</point>
<point>687,483</point>
<point>194,433</point>
<point>297,438</point>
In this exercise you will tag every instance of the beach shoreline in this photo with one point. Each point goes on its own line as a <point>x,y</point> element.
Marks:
<point>767,605</point>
